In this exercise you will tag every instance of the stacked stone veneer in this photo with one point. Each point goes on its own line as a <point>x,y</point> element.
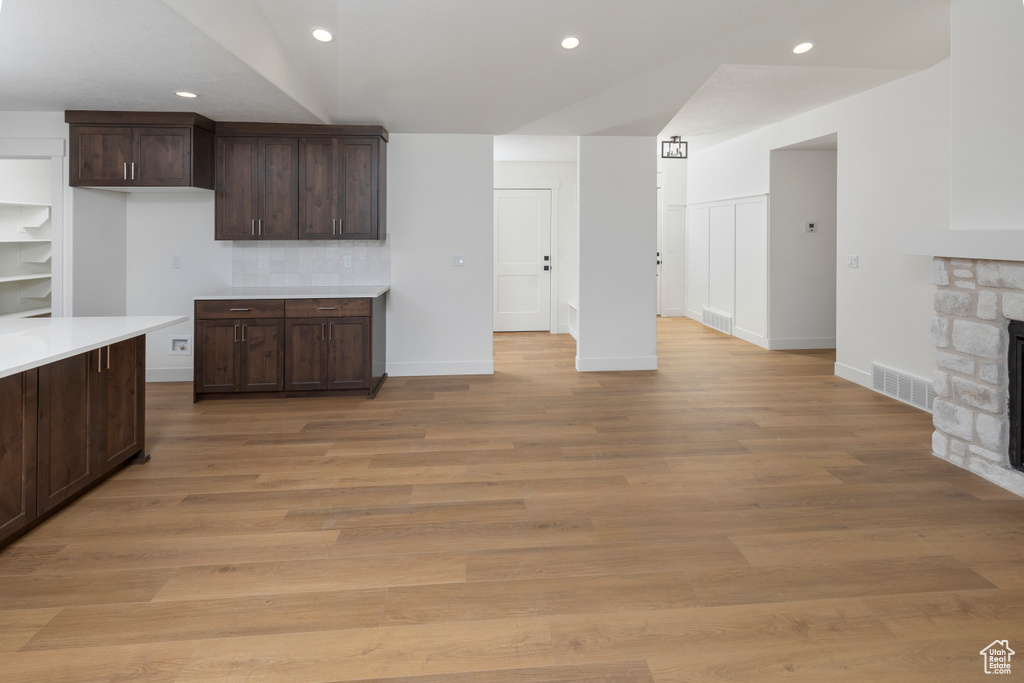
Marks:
<point>973,304</point>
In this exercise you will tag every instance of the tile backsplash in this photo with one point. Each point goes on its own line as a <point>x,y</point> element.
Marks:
<point>310,264</point>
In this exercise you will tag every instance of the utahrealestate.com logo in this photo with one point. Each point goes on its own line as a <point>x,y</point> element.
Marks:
<point>997,657</point>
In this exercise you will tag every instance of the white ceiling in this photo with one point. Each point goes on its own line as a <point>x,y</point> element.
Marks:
<point>708,68</point>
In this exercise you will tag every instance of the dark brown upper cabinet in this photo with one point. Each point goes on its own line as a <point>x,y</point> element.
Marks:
<point>256,189</point>
<point>295,181</point>
<point>140,149</point>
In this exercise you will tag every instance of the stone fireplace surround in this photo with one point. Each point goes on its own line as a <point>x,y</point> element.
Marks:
<point>974,301</point>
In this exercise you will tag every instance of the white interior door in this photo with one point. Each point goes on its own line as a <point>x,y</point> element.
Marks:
<point>522,260</point>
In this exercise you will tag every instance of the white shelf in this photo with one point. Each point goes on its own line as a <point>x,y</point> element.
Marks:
<point>30,313</point>
<point>3,203</point>
<point>24,278</point>
<point>27,240</point>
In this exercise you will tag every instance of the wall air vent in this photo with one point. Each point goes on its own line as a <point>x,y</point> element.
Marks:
<point>717,320</point>
<point>902,387</point>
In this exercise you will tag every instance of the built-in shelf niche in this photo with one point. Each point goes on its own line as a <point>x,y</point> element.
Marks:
<point>26,254</point>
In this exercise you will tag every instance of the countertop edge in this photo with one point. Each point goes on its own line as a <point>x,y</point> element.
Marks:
<point>152,323</point>
<point>357,292</point>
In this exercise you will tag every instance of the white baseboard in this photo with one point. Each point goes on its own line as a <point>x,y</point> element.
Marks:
<point>795,343</point>
<point>168,374</point>
<point>616,364</point>
<point>696,315</point>
<point>444,368</point>
<point>854,375</point>
<point>746,336</point>
<point>673,313</point>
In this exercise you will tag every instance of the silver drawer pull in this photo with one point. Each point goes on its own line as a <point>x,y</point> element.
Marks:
<point>327,308</point>
<point>239,309</point>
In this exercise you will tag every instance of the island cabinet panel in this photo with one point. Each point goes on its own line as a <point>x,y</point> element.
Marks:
<point>117,403</point>
<point>18,408</point>
<point>64,465</point>
<point>328,344</point>
<point>140,149</point>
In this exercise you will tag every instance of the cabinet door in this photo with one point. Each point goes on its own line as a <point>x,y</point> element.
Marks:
<point>305,354</point>
<point>64,466</point>
<point>217,356</point>
<point>17,452</point>
<point>359,188</point>
<point>162,156</point>
<point>319,173</point>
<point>117,409</point>
<point>278,205</point>
<point>236,188</point>
<point>100,155</point>
<point>348,365</point>
<point>262,355</point>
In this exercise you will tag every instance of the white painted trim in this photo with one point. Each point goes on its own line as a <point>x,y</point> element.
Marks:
<point>796,343</point>
<point>169,374</point>
<point>482,367</point>
<point>854,375</point>
<point>751,337</point>
<point>616,364</point>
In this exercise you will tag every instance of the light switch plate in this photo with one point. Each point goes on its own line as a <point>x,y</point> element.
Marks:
<point>459,260</point>
<point>852,261</point>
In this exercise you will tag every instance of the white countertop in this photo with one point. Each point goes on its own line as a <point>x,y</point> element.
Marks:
<point>355,292</point>
<point>993,245</point>
<point>27,343</point>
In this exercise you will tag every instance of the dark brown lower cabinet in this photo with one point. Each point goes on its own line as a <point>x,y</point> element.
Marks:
<point>66,425</point>
<point>18,406</point>
<point>334,345</point>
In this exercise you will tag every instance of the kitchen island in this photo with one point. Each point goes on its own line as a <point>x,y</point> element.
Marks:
<point>290,341</point>
<point>72,409</point>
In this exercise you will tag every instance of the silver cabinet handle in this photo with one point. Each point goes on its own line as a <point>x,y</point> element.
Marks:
<point>323,331</point>
<point>108,357</point>
<point>330,332</point>
<point>236,334</point>
<point>334,226</point>
<point>99,360</point>
<point>133,170</point>
<point>260,221</point>
<point>243,333</point>
<point>326,308</point>
<point>341,222</point>
<point>126,170</point>
<point>239,309</point>
<point>254,226</point>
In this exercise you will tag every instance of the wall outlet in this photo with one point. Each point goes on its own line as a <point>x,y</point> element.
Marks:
<point>181,346</point>
<point>852,261</point>
<point>347,260</point>
<point>263,262</point>
<point>459,260</point>
<point>810,227</point>
<point>175,262</point>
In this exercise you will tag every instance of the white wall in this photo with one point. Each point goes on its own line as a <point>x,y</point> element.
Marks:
<point>99,253</point>
<point>987,80</point>
<point>161,225</point>
<point>25,181</point>
<point>440,203</point>
<point>618,243</point>
<point>893,175</point>
<point>565,259</point>
<point>803,265</point>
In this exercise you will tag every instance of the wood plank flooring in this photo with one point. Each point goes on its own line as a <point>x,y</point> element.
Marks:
<point>738,515</point>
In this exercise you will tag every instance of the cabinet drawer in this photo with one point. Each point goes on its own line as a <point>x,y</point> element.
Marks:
<point>245,308</point>
<point>326,308</point>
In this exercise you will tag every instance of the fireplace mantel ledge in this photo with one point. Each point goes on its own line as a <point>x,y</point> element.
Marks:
<point>992,245</point>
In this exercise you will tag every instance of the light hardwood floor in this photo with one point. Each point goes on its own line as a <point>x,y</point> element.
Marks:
<point>739,515</point>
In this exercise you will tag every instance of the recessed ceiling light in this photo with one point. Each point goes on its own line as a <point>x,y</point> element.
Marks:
<point>802,48</point>
<point>186,93</point>
<point>323,35</point>
<point>570,42</point>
